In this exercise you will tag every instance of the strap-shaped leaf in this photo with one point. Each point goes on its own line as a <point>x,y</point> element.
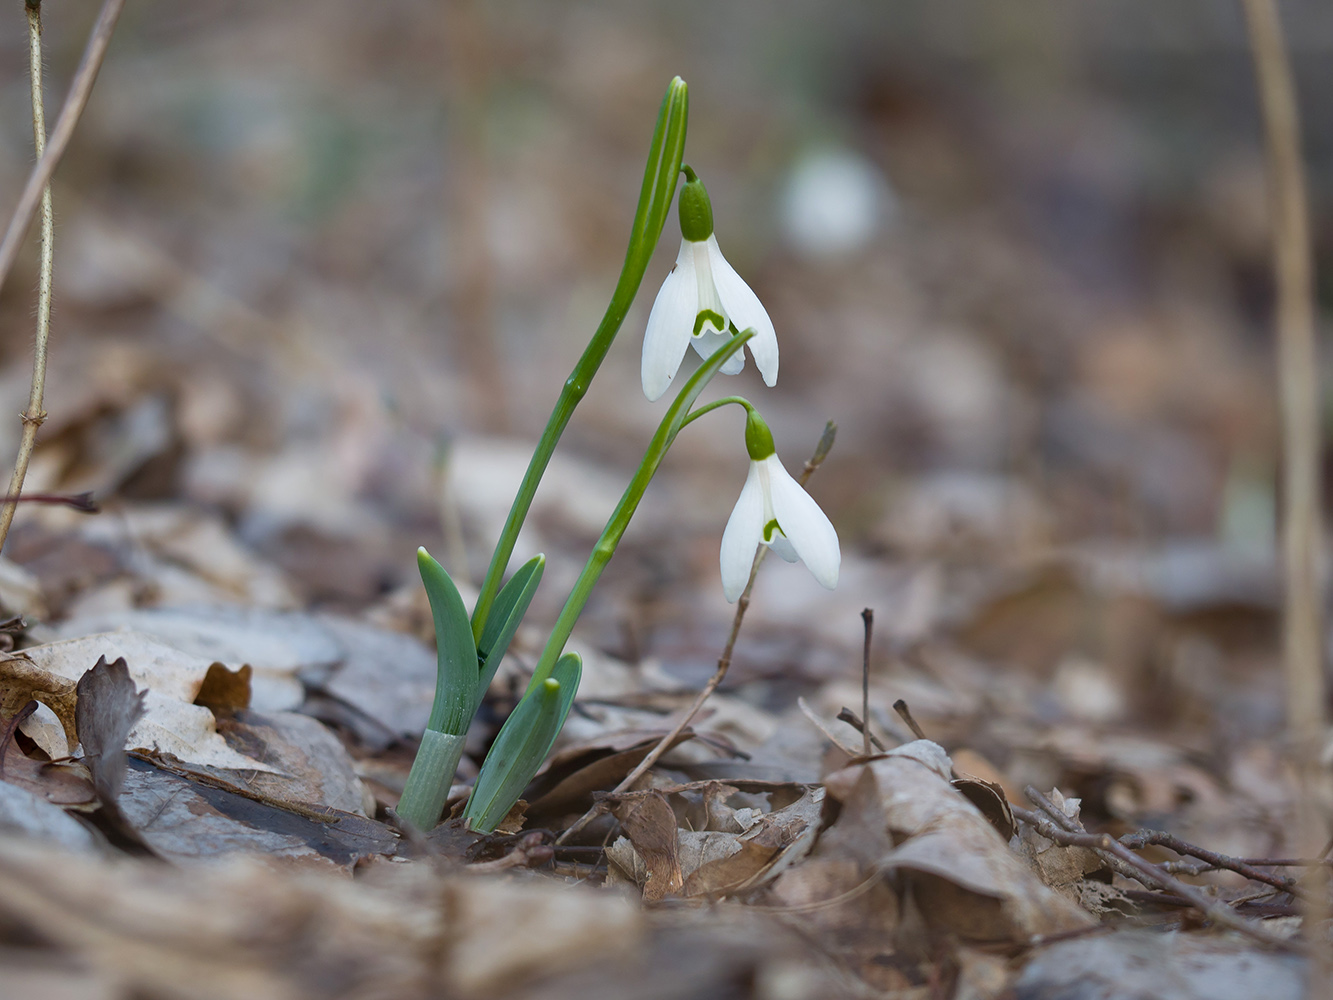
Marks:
<point>522,745</point>
<point>456,677</point>
<point>428,782</point>
<point>511,604</point>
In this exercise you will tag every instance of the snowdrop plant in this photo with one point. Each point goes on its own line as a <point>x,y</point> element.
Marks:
<point>703,303</point>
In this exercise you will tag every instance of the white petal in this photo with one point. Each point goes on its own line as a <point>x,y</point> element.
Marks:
<point>806,526</point>
<point>708,342</point>
<point>745,310</point>
<point>781,544</point>
<point>741,538</point>
<point>703,274</point>
<point>669,325</point>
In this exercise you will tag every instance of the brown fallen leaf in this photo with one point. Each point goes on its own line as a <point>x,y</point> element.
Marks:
<point>171,679</point>
<point>960,872</point>
<point>59,784</point>
<point>1062,868</point>
<point>567,785</point>
<point>650,825</point>
<point>240,928</point>
<point>22,680</point>
<point>107,709</point>
<point>183,816</point>
<point>738,848</point>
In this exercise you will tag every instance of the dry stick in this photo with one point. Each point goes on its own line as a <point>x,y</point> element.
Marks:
<point>37,192</point>
<point>1212,860</point>
<point>867,616</point>
<point>1298,390</point>
<point>905,714</point>
<point>724,662</point>
<point>852,719</point>
<point>818,723</point>
<point>1057,830</point>
<point>1298,371</point>
<point>35,414</point>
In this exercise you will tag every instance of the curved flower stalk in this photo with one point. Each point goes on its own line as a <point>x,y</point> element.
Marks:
<point>701,302</point>
<point>774,510</point>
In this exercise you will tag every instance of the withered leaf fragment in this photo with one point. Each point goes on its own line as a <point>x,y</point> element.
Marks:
<point>108,706</point>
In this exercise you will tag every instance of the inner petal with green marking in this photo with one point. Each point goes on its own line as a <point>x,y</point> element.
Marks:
<point>718,321</point>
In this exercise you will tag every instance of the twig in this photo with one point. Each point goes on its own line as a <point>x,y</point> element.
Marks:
<point>867,616</point>
<point>1056,829</point>
<point>1212,860</point>
<point>34,415</point>
<point>38,192</point>
<point>1298,371</point>
<point>905,714</point>
<point>854,720</point>
<point>529,852</point>
<point>809,713</point>
<point>1298,392</point>
<point>40,176</point>
<point>724,662</point>
<point>77,501</point>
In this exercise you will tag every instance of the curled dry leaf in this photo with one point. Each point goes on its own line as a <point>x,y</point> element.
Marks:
<point>732,849</point>
<point>171,680</point>
<point>961,874</point>
<point>57,784</point>
<point>107,709</point>
<point>22,680</point>
<point>1060,867</point>
<point>650,826</point>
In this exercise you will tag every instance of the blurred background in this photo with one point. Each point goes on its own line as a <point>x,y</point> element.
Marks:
<point>321,269</point>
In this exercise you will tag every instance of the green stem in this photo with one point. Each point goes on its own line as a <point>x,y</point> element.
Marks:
<point>676,418</point>
<point>716,404</point>
<point>659,188</point>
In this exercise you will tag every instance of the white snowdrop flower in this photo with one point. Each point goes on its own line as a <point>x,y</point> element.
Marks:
<point>700,300</point>
<point>775,510</point>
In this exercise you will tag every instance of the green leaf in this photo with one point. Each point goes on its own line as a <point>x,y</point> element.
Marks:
<point>522,745</point>
<point>511,604</point>
<point>456,677</point>
<point>427,788</point>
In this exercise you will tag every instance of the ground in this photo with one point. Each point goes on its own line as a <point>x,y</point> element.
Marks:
<point>321,271</point>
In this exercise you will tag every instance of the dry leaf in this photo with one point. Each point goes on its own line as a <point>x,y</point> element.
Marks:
<point>1060,867</point>
<point>184,817</point>
<point>711,861</point>
<point>107,710</point>
<point>650,825</point>
<point>58,784</point>
<point>172,723</point>
<point>22,681</point>
<point>962,874</point>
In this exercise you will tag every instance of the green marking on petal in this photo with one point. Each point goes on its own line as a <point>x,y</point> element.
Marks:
<point>705,315</point>
<point>771,527</point>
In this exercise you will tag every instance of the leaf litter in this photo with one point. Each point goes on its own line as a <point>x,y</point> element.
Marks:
<point>265,420</point>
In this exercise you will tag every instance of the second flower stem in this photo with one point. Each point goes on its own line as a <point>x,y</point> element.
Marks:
<point>676,417</point>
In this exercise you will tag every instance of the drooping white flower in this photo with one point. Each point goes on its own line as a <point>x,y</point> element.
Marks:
<point>775,510</point>
<point>700,300</point>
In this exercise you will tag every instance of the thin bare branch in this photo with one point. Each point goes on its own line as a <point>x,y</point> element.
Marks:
<point>1298,371</point>
<point>1057,829</point>
<point>34,416</point>
<point>40,176</point>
